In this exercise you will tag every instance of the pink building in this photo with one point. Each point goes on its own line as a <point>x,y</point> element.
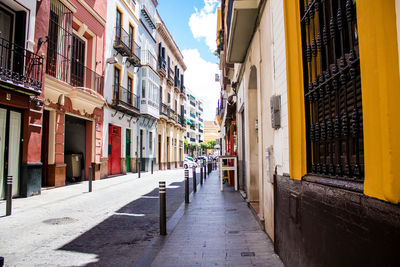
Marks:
<point>70,34</point>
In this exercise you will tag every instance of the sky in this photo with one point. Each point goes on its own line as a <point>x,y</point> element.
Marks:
<point>192,24</point>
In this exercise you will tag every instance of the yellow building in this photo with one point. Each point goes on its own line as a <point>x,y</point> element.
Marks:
<point>171,126</point>
<point>211,130</point>
<point>314,87</point>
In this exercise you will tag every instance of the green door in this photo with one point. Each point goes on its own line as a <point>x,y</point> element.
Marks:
<point>128,150</point>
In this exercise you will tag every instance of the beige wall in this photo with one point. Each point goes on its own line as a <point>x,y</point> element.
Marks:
<point>267,148</point>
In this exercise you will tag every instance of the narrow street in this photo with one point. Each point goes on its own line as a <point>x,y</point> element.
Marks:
<point>68,226</point>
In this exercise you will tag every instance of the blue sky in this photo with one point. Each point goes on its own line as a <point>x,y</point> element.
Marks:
<point>192,24</point>
<point>176,15</point>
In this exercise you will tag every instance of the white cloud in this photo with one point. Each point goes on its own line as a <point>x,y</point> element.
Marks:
<point>203,23</point>
<point>200,79</point>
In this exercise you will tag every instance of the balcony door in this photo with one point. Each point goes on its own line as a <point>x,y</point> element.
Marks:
<point>10,144</point>
<point>77,61</point>
<point>6,24</point>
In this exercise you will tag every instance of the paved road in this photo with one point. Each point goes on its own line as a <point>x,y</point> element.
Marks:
<point>69,227</point>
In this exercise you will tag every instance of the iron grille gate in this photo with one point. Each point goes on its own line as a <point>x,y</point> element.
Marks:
<point>332,88</point>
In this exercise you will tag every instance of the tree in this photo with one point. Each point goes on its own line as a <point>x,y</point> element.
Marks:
<point>186,146</point>
<point>211,144</point>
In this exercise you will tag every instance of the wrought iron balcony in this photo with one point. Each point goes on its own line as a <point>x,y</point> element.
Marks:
<point>149,59</point>
<point>73,72</point>
<point>162,66</point>
<point>125,100</point>
<point>171,75</point>
<point>20,67</point>
<point>126,46</point>
<point>148,12</point>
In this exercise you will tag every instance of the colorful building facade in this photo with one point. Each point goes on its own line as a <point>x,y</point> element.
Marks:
<point>312,89</point>
<point>171,126</point>
<point>21,99</point>
<point>122,63</point>
<point>71,34</point>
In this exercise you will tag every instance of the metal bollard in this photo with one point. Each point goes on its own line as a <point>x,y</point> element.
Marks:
<point>186,186</point>
<point>201,175</point>
<point>163,205</point>
<point>152,166</point>
<point>90,178</point>
<point>139,169</point>
<point>194,180</point>
<point>9,195</point>
<point>205,173</point>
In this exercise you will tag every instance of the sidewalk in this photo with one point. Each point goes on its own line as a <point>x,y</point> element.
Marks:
<point>217,229</point>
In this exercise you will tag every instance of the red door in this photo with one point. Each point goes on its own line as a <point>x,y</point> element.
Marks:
<point>114,150</point>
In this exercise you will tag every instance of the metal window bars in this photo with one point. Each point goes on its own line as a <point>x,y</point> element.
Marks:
<point>20,65</point>
<point>332,89</point>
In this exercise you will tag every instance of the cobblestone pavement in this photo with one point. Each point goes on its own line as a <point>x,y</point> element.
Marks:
<point>216,229</point>
<point>67,226</point>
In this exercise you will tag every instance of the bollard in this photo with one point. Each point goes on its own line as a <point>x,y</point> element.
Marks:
<point>152,163</point>
<point>163,213</point>
<point>1,261</point>
<point>204,173</point>
<point>90,178</point>
<point>9,195</point>
<point>186,186</point>
<point>139,169</point>
<point>194,180</point>
<point>201,176</point>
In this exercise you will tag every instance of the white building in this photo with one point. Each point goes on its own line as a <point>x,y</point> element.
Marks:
<point>194,116</point>
<point>122,111</point>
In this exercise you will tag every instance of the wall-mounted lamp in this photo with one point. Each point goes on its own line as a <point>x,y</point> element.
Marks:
<point>41,41</point>
<point>111,60</point>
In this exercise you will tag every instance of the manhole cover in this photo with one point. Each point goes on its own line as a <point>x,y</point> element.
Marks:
<point>233,232</point>
<point>60,221</point>
<point>247,254</point>
<point>231,209</point>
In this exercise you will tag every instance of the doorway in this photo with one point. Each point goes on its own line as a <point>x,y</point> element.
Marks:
<point>114,150</point>
<point>142,161</point>
<point>159,151</point>
<point>10,148</point>
<point>45,147</point>
<point>168,164</point>
<point>75,148</point>
<point>128,150</point>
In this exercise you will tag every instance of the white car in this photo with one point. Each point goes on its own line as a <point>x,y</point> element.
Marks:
<point>189,163</point>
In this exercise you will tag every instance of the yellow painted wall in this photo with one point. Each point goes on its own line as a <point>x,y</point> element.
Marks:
<point>295,89</point>
<point>380,84</point>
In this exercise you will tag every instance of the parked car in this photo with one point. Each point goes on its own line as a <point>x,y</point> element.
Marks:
<point>189,163</point>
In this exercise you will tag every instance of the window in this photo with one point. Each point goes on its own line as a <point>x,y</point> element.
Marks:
<point>130,90</point>
<point>59,41</point>
<point>131,33</point>
<point>77,61</point>
<point>169,98</point>
<point>118,25</point>
<point>151,141</point>
<point>332,89</point>
<point>176,106</point>
<point>116,82</point>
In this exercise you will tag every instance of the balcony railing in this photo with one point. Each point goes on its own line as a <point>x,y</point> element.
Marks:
<point>148,12</point>
<point>73,72</point>
<point>126,46</point>
<point>164,110</point>
<point>149,59</point>
<point>171,74</point>
<point>125,98</point>
<point>19,66</point>
<point>162,64</point>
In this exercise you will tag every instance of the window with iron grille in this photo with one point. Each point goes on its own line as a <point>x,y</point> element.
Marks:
<point>333,105</point>
<point>59,41</point>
